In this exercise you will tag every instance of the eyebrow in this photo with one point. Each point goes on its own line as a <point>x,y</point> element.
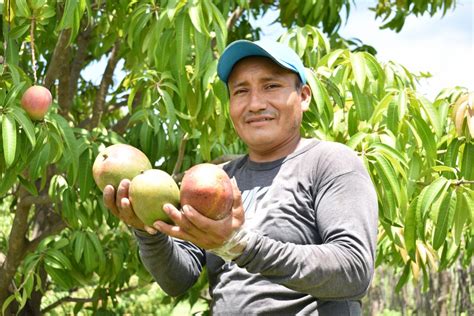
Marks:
<point>244,83</point>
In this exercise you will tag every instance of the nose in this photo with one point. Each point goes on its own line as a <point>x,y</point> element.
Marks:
<point>256,103</point>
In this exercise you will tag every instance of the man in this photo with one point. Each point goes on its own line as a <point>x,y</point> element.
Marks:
<point>301,237</point>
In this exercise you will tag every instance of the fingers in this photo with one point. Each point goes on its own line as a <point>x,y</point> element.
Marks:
<point>119,204</point>
<point>204,232</point>
<point>150,230</point>
<point>184,229</point>
<point>122,191</point>
<point>178,218</point>
<point>109,199</point>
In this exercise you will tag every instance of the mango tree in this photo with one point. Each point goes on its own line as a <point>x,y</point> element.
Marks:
<point>57,239</point>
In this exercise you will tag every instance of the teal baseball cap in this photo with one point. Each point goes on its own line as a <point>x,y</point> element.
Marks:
<point>279,53</point>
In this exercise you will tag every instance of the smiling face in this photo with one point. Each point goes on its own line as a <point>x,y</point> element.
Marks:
<point>266,107</point>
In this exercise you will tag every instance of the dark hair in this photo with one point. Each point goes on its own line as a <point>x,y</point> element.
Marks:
<point>298,84</point>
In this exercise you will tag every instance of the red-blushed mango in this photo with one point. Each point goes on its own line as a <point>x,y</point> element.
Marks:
<point>207,188</point>
<point>36,101</point>
<point>149,191</point>
<point>117,162</point>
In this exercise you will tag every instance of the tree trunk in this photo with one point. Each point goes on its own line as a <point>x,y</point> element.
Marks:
<point>444,285</point>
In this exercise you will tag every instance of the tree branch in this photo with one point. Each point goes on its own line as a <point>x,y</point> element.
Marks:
<point>107,80</point>
<point>37,200</point>
<point>64,82</point>
<point>121,125</point>
<point>17,244</point>
<point>70,299</point>
<point>77,64</point>
<point>232,19</point>
<point>54,225</point>
<point>58,59</point>
<point>182,149</point>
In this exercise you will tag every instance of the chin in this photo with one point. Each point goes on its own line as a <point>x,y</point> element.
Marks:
<point>259,141</point>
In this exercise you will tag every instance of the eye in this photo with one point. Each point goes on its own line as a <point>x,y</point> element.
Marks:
<point>271,86</point>
<point>239,91</point>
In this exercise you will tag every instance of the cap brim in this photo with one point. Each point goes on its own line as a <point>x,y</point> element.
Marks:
<point>239,50</point>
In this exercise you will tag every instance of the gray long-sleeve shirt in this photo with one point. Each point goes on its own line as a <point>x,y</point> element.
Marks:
<point>313,217</point>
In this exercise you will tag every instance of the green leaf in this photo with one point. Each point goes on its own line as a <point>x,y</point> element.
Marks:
<point>29,186</point>
<point>71,143</point>
<point>84,181</point>
<point>40,161</point>
<point>356,139</point>
<point>170,108</point>
<point>404,278</point>
<point>7,181</point>
<point>7,303</point>
<point>393,154</point>
<point>451,156</point>
<point>220,27</point>
<point>432,114</point>
<point>89,256</point>
<point>37,4</point>
<point>205,147</point>
<point>79,244</point>
<point>67,20</point>
<point>445,218</point>
<point>387,172</point>
<point>410,228</point>
<point>362,103</point>
<point>444,169</point>
<point>427,140</point>
<point>182,42</point>
<point>171,8</point>
<point>99,251</point>
<point>138,116</point>
<point>393,119</point>
<point>197,17</point>
<point>323,103</point>
<point>380,108</point>
<point>13,93</point>
<point>359,69</point>
<point>9,138</point>
<point>60,277</point>
<point>25,123</point>
<point>22,8</point>
<point>467,166</point>
<point>57,259</point>
<point>330,59</point>
<point>461,216</point>
<point>18,31</point>
<point>431,192</point>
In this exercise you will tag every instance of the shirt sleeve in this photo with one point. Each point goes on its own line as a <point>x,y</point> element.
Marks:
<point>342,266</point>
<point>174,264</point>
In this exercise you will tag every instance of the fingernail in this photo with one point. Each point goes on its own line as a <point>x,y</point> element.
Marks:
<point>187,211</point>
<point>150,230</point>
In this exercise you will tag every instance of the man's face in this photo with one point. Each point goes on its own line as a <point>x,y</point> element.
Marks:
<point>266,106</point>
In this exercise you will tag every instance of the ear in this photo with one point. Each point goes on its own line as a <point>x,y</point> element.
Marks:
<point>305,95</point>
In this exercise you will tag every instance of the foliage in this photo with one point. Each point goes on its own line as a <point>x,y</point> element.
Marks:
<point>171,105</point>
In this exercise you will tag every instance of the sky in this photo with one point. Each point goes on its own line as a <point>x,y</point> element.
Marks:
<point>440,45</point>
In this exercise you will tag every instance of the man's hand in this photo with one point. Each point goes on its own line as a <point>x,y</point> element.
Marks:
<point>121,207</point>
<point>202,231</point>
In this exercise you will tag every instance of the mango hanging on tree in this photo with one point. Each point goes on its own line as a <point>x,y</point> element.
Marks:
<point>36,102</point>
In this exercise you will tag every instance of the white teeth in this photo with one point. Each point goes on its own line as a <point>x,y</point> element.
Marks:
<point>260,120</point>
